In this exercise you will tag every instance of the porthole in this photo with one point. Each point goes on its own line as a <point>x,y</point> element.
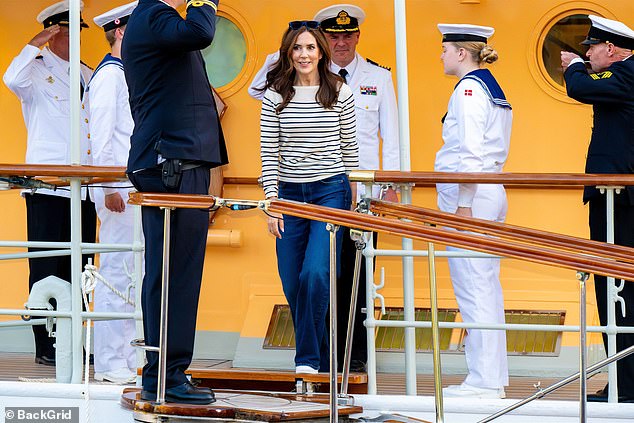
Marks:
<point>561,28</point>
<point>225,57</point>
<point>230,58</point>
<point>565,35</point>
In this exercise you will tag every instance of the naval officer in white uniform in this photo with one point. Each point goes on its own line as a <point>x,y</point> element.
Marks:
<point>476,134</point>
<point>39,76</point>
<point>377,137</point>
<point>111,125</point>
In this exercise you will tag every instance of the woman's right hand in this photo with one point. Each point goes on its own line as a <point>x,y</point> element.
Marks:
<point>275,223</point>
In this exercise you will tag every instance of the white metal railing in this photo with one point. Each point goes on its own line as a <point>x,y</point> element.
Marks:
<point>75,248</point>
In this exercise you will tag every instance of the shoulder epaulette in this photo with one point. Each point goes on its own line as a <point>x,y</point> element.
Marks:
<point>86,65</point>
<point>372,62</point>
<point>39,57</point>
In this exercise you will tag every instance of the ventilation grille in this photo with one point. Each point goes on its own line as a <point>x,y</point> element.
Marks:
<point>280,334</point>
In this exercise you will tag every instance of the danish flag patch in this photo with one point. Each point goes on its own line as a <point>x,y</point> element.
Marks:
<point>468,93</point>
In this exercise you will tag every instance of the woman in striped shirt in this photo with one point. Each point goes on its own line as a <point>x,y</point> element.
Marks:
<point>308,145</point>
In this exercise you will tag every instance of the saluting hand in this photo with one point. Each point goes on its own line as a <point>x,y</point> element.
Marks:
<point>566,58</point>
<point>42,38</point>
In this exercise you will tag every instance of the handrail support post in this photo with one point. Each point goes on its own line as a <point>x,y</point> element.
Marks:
<point>433,296</point>
<point>611,330</point>
<point>334,418</point>
<point>582,277</point>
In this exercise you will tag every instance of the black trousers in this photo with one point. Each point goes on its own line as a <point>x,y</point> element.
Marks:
<point>48,219</point>
<point>623,235</point>
<point>344,291</point>
<point>187,254</point>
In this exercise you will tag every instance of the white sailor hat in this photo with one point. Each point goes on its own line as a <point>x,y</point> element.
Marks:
<point>340,18</point>
<point>465,32</point>
<point>57,14</point>
<point>116,17</point>
<point>607,30</point>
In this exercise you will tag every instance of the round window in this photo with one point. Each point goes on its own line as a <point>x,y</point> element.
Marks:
<point>565,35</point>
<point>226,56</point>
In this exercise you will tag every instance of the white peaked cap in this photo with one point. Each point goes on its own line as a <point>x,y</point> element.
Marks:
<point>608,30</point>
<point>116,17</point>
<point>55,9</point>
<point>465,32</point>
<point>340,18</point>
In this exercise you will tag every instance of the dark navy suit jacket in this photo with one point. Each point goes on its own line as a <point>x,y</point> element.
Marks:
<point>611,94</point>
<point>170,96</point>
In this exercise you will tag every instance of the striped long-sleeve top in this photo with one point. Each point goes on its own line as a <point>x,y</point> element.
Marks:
<point>306,142</point>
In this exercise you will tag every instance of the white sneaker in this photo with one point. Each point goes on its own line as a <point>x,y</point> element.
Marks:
<point>122,376</point>
<point>468,391</point>
<point>306,369</point>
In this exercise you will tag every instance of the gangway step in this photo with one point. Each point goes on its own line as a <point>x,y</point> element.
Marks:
<point>237,406</point>
<point>272,380</point>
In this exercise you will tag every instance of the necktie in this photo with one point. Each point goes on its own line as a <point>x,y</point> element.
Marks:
<point>344,74</point>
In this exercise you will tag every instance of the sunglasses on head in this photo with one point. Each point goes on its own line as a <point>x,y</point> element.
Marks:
<point>295,25</point>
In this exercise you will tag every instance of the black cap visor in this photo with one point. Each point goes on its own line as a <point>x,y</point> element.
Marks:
<point>597,36</point>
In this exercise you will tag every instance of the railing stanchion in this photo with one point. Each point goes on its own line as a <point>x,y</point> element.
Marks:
<point>333,322</point>
<point>435,336</point>
<point>357,237</point>
<point>409,312</point>
<point>368,256</point>
<point>583,374</point>
<point>613,392</point>
<point>162,352</point>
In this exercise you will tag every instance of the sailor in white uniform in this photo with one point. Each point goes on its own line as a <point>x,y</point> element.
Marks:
<point>476,134</point>
<point>111,125</point>
<point>377,137</point>
<point>39,76</point>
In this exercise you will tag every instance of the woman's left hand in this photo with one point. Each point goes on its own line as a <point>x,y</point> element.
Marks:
<point>464,211</point>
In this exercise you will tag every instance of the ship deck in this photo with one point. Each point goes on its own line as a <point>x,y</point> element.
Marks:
<point>21,367</point>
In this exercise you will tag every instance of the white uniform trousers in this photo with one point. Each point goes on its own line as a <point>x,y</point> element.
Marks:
<point>476,283</point>
<point>112,337</point>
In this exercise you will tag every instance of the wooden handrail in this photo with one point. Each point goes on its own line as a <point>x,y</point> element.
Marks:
<point>63,171</point>
<point>185,201</point>
<point>503,230</point>
<point>540,252</point>
<point>507,179</point>
<point>419,178</point>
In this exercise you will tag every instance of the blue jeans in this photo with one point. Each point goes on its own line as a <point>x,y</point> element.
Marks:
<point>303,261</point>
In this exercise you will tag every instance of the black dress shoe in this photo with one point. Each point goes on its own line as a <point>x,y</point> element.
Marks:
<point>185,393</point>
<point>602,396</point>
<point>358,366</point>
<point>47,361</point>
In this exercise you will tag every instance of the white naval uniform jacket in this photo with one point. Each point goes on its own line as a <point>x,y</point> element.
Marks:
<point>477,136</point>
<point>41,81</point>
<point>375,108</point>
<point>111,121</point>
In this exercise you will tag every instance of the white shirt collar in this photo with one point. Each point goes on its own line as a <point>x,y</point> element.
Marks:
<point>352,66</point>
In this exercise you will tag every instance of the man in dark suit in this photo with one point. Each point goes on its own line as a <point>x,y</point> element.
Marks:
<point>610,90</point>
<point>176,140</point>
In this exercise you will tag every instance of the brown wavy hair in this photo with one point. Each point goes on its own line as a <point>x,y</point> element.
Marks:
<point>282,76</point>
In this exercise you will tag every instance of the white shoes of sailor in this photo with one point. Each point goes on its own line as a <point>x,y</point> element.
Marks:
<point>468,391</point>
<point>122,376</point>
